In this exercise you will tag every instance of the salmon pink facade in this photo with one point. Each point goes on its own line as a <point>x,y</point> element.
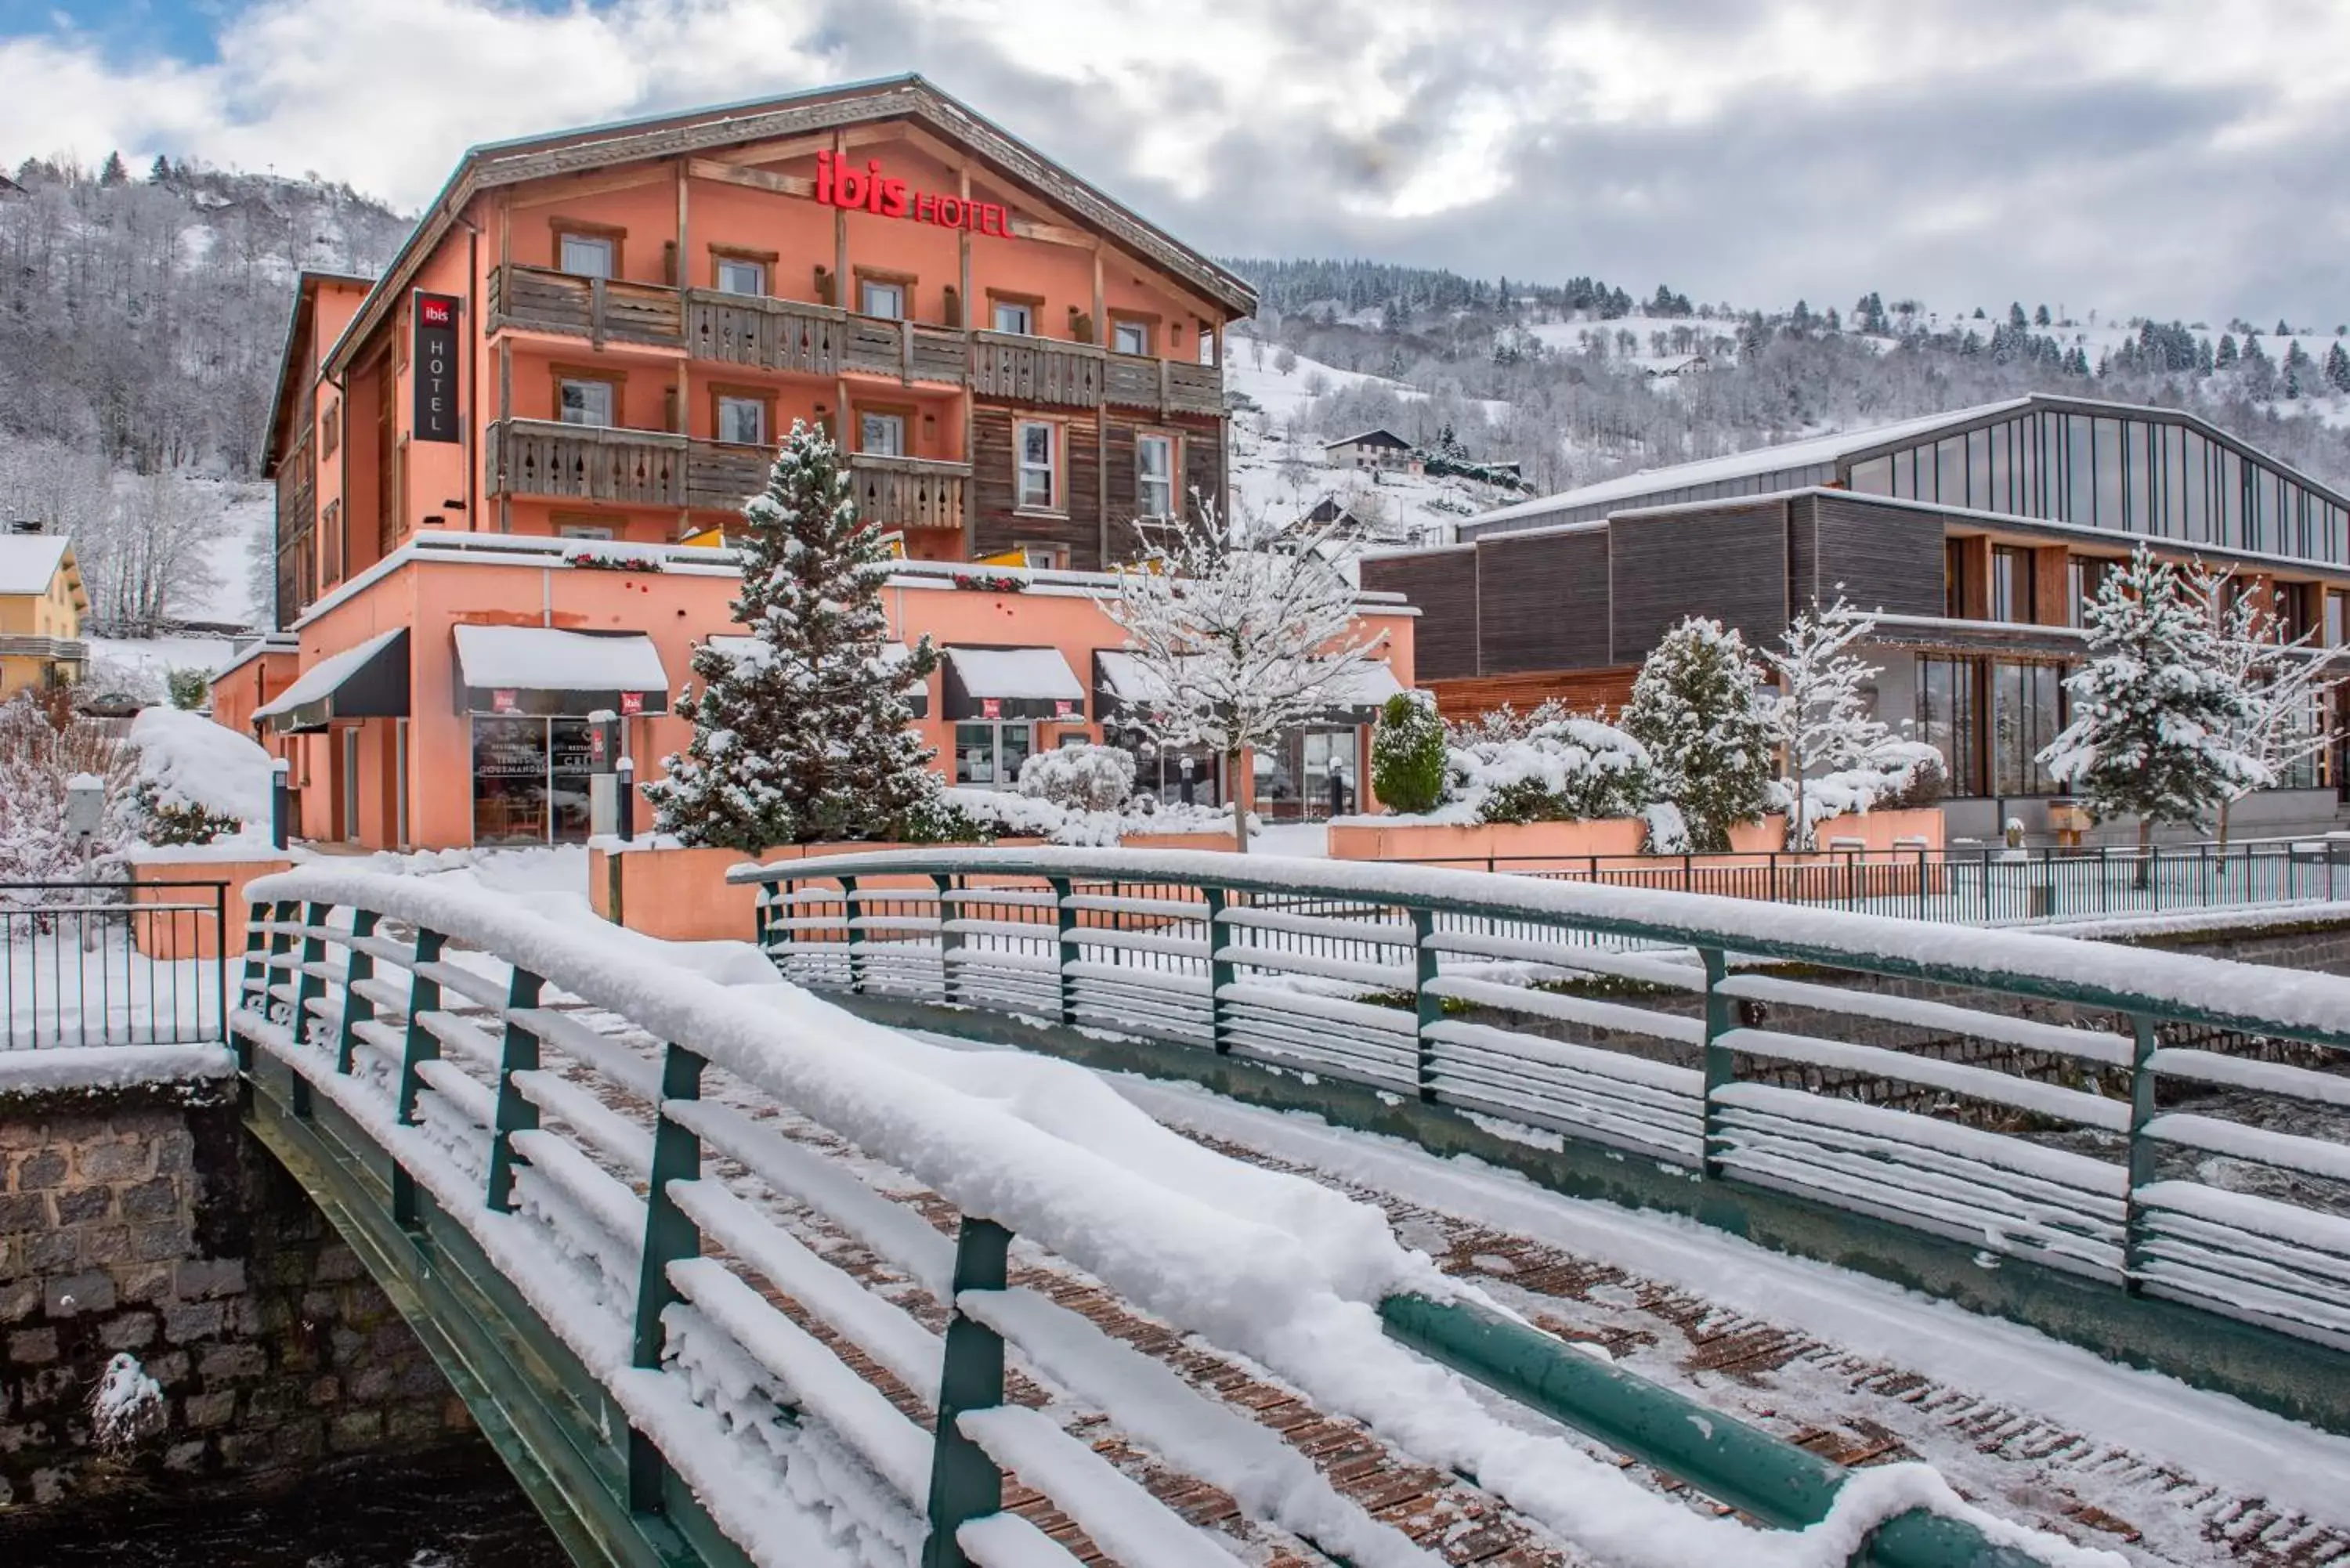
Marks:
<point>506,470</point>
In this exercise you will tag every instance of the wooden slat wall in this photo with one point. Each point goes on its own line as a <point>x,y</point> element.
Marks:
<point>2052,585</point>
<point>1542,602</point>
<point>1443,588</point>
<point>997,526</point>
<point>1729,565</point>
<point>1585,691</point>
<point>1202,463</point>
<point>1887,559</point>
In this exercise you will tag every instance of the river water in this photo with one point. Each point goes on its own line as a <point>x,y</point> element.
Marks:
<point>459,1512</point>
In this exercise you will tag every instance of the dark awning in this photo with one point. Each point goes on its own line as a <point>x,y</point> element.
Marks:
<point>550,672</point>
<point>1013,683</point>
<point>367,681</point>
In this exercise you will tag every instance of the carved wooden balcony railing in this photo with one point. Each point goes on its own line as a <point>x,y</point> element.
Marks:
<point>587,463</point>
<point>539,299</point>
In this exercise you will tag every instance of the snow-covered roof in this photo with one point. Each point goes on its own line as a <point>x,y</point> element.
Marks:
<point>1040,673</point>
<point>29,562</point>
<point>549,659</point>
<point>321,678</point>
<point>1810,451</point>
<point>1373,438</point>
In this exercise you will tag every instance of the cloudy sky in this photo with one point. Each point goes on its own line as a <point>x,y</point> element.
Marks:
<point>2177,157</point>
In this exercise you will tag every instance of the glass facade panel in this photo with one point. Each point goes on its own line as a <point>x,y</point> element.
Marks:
<point>1946,720</point>
<point>2002,469</point>
<point>1979,490</point>
<point>2029,501</point>
<point>1951,471</point>
<point>990,754</point>
<point>1874,477</point>
<point>2141,496</point>
<point>2025,702</point>
<point>2230,470</point>
<point>2108,438</point>
<point>2195,486</point>
<point>1308,775</point>
<point>2080,468</point>
<point>2010,584</point>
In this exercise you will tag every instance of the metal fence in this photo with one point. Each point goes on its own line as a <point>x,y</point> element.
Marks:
<point>105,963</point>
<point>1973,886</point>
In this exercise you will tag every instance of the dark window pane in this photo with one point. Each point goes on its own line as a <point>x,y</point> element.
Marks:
<point>2080,467</point>
<point>2195,486</point>
<point>2002,469</point>
<point>1874,477</point>
<point>2137,479</point>
<point>2231,497</point>
<point>1951,471</point>
<point>1978,469</point>
<point>2110,474</point>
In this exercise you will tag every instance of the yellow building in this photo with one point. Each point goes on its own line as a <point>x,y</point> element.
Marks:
<point>41,607</point>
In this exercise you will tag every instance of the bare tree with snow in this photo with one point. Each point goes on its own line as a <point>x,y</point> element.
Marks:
<point>1239,642</point>
<point>2288,683</point>
<point>1840,756</point>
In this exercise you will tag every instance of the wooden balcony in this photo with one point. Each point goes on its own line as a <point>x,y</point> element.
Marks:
<point>602,310</point>
<point>656,468</point>
<point>790,335</point>
<point>583,462</point>
<point>910,492</point>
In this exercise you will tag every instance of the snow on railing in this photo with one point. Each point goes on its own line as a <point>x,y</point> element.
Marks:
<point>703,1184</point>
<point>1996,1088</point>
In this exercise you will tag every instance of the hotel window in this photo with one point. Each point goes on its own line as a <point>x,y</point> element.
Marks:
<point>587,254</point>
<point>586,400</point>
<point>990,754</point>
<point>1946,720</point>
<point>740,274</point>
<point>2084,579</point>
<point>742,419</point>
<point>330,430</point>
<point>1015,316</point>
<point>1038,487</point>
<point>884,297</point>
<point>882,435</point>
<point>2026,713</point>
<point>2010,584</point>
<point>2337,619</point>
<point>1154,475</point>
<point>1954,579</point>
<point>1130,337</point>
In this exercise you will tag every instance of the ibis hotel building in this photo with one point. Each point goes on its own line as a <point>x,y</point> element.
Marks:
<point>1977,533</point>
<point>505,468</point>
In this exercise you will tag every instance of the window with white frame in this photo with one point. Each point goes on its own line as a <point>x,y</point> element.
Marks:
<point>743,420</point>
<point>740,274</point>
<point>588,255</point>
<point>580,400</point>
<point>876,297</point>
<point>1012,317</point>
<point>1039,486</point>
<point>1130,336</point>
<point>883,435</point>
<point>1154,475</point>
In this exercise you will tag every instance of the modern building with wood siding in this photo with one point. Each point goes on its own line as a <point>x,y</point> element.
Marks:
<point>1975,535</point>
<point>540,421</point>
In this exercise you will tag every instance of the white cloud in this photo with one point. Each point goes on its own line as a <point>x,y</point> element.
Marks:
<point>1981,147</point>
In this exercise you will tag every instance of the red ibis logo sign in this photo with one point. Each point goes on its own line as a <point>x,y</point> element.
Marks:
<point>841,184</point>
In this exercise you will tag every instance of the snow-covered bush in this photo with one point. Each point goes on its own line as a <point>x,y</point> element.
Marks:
<point>44,744</point>
<point>1409,753</point>
<point>189,688</point>
<point>1700,709</point>
<point>1886,782</point>
<point>1564,768</point>
<point>1080,778</point>
<point>1000,814</point>
<point>198,782</point>
<point>940,819</point>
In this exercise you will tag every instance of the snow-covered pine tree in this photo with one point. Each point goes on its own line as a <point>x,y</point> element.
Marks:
<point>2289,683</point>
<point>2155,717</point>
<point>1698,708</point>
<point>805,736</point>
<point>1823,718</point>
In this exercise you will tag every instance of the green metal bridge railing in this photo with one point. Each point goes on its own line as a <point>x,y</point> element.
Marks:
<point>1902,1096</point>
<point>591,1235</point>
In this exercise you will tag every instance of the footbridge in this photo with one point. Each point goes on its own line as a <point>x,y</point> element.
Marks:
<point>731,1273</point>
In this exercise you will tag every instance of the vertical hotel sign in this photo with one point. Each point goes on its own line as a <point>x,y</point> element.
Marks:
<point>436,367</point>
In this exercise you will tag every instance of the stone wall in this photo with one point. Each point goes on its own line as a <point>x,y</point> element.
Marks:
<point>144,1220</point>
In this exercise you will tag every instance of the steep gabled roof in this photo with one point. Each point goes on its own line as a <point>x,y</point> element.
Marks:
<point>907,98</point>
<point>300,320</point>
<point>1373,437</point>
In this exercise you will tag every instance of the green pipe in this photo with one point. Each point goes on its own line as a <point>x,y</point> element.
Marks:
<point>1785,1487</point>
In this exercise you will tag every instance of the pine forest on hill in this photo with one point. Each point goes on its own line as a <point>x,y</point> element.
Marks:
<point>142,313</point>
